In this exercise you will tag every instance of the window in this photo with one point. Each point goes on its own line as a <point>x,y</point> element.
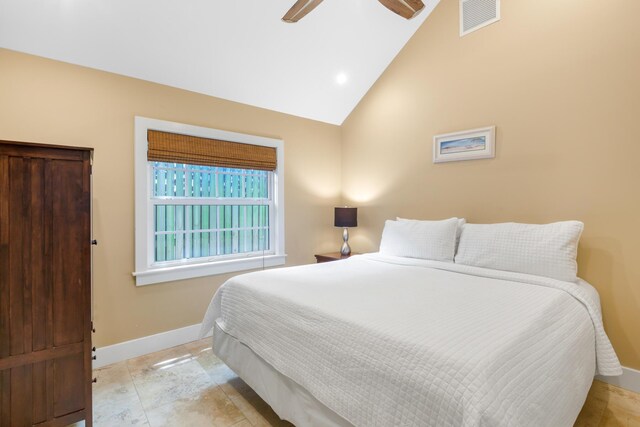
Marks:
<point>204,211</point>
<point>194,218</point>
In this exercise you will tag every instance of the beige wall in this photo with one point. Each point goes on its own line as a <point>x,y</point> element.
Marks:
<point>52,102</point>
<point>561,81</point>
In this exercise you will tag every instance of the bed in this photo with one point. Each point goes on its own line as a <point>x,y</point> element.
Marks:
<point>381,340</point>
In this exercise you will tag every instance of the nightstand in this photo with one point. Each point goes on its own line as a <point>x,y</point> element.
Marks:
<point>332,256</point>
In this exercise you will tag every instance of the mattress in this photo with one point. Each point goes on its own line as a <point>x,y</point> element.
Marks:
<point>392,341</point>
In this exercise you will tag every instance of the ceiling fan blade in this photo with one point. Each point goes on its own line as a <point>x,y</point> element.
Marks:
<point>297,7</point>
<point>405,8</point>
<point>416,5</point>
<point>300,9</point>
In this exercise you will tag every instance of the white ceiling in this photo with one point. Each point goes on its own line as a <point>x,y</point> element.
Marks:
<point>234,49</point>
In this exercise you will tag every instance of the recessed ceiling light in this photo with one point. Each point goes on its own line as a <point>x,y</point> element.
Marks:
<point>341,78</point>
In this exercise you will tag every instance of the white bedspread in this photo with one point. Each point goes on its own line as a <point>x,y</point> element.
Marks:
<point>387,341</point>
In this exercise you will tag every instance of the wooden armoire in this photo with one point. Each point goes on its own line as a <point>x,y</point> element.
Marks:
<point>45,285</point>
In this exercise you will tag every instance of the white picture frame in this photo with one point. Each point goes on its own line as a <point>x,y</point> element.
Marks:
<point>465,145</point>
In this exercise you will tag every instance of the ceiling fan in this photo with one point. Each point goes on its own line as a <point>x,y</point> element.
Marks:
<point>405,8</point>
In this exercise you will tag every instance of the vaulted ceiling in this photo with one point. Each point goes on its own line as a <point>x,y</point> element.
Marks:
<point>238,50</point>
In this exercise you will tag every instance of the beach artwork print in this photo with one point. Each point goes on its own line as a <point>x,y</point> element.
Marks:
<point>465,145</point>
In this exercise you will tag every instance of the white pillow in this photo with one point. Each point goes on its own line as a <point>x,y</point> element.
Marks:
<point>547,250</point>
<point>434,240</point>
<point>461,222</point>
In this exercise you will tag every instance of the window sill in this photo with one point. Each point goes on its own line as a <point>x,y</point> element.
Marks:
<point>181,272</point>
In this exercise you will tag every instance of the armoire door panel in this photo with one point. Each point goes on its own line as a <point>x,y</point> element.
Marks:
<point>68,282</point>
<point>27,293</point>
<point>39,372</point>
<point>21,399</point>
<point>5,337</point>
<point>38,283</point>
<point>48,253</point>
<point>5,398</point>
<point>17,211</point>
<point>68,377</point>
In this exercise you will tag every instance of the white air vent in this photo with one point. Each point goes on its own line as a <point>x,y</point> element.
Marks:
<point>475,14</point>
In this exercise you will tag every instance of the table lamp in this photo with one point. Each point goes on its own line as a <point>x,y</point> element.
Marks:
<point>345,217</point>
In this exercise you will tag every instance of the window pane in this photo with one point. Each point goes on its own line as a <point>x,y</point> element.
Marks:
<point>196,231</point>
<point>181,180</point>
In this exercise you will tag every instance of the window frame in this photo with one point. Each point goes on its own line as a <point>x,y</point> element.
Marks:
<point>146,272</point>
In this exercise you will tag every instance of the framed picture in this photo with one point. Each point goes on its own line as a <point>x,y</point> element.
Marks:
<point>466,145</point>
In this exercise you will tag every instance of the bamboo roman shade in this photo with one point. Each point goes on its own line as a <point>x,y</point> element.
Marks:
<point>176,148</point>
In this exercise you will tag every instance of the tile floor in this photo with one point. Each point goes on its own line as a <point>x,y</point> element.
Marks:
<point>189,386</point>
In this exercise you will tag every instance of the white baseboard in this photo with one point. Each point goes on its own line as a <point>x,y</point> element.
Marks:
<point>145,345</point>
<point>629,380</point>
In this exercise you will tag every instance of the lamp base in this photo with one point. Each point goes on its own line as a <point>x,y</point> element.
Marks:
<point>345,250</point>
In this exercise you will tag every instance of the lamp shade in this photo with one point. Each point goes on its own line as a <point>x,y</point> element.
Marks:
<point>346,217</point>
